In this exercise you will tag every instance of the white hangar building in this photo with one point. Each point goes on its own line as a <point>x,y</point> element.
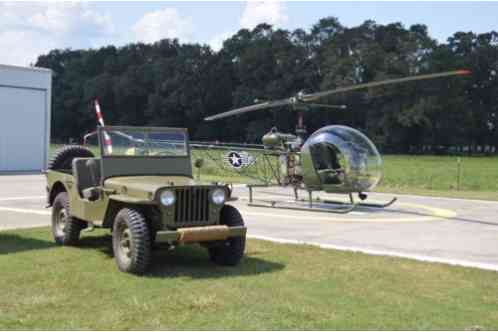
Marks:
<point>25,99</point>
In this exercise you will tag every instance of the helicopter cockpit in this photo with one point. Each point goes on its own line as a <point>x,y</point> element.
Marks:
<point>328,162</point>
<point>342,158</point>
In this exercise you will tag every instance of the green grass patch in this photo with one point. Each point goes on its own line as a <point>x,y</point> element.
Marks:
<point>276,286</point>
<point>440,176</point>
<point>440,173</point>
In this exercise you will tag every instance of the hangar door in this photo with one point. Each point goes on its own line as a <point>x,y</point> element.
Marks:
<point>22,129</point>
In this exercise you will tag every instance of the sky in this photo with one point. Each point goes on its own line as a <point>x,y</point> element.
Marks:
<point>28,29</point>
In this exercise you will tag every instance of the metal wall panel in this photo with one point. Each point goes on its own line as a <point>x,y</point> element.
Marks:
<point>28,77</point>
<point>25,101</point>
<point>23,123</point>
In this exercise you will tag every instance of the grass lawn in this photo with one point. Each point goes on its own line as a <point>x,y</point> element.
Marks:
<point>277,286</point>
<point>440,173</point>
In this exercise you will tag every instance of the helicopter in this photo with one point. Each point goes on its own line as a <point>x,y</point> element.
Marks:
<point>334,159</point>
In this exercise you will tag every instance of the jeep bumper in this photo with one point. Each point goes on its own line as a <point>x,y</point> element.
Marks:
<point>200,234</point>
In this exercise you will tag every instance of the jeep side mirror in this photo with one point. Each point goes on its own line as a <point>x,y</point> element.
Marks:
<point>199,162</point>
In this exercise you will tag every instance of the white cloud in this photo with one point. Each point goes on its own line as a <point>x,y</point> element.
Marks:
<point>255,12</point>
<point>22,47</point>
<point>270,11</point>
<point>164,23</point>
<point>30,29</point>
<point>216,42</point>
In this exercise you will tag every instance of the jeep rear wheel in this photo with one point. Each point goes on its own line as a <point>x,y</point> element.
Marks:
<point>65,228</point>
<point>230,251</point>
<point>131,241</point>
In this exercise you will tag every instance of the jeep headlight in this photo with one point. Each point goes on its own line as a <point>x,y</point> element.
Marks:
<point>167,198</point>
<point>218,196</point>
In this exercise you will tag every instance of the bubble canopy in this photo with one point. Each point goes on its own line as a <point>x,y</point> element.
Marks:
<point>341,158</point>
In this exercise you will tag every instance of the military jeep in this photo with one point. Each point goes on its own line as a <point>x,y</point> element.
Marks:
<point>141,188</point>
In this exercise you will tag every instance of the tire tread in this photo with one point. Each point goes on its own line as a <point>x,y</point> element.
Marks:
<point>73,224</point>
<point>140,235</point>
<point>230,253</point>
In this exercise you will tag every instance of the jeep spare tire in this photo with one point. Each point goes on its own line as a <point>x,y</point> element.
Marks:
<point>63,158</point>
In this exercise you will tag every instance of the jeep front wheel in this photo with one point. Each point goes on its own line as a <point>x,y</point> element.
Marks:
<point>131,241</point>
<point>230,251</point>
<point>65,228</point>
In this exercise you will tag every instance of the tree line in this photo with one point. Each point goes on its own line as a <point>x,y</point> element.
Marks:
<point>169,83</point>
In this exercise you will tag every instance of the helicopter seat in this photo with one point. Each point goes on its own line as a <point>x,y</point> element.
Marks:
<point>332,176</point>
<point>326,160</point>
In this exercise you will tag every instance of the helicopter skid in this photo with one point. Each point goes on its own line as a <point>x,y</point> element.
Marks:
<point>373,205</point>
<point>313,204</point>
<point>280,205</point>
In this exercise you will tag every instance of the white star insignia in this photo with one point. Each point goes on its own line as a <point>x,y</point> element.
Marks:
<point>235,160</point>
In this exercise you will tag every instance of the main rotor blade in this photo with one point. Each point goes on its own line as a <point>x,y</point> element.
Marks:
<point>256,107</point>
<point>341,107</point>
<point>315,96</point>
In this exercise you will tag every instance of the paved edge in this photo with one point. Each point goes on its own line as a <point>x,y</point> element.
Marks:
<point>387,253</point>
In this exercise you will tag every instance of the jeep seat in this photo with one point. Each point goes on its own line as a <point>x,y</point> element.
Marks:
<point>87,175</point>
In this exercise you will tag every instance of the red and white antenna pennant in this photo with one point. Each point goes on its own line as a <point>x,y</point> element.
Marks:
<point>100,120</point>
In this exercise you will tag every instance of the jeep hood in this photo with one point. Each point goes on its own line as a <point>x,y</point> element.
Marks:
<point>144,186</point>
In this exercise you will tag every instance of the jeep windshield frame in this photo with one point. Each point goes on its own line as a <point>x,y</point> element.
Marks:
<point>143,141</point>
<point>136,151</point>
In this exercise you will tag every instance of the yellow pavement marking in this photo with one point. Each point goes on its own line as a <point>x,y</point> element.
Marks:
<point>437,212</point>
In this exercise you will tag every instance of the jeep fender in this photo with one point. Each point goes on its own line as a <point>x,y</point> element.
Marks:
<point>119,201</point>
<point>57,188</point>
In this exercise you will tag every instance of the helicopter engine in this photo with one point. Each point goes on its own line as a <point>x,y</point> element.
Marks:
<point>340,159</point>
<point>275,140</point>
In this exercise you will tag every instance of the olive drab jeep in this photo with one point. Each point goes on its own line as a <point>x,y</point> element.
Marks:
<point>141,188</point>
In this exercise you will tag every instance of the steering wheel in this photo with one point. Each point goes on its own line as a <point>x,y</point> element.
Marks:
<point>161,153</point>
<point>330,171</point>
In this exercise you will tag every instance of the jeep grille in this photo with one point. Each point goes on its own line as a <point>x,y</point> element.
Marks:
<point>192,206</point>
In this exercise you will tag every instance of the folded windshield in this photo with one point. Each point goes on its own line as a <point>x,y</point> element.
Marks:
<point>136,142</point>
